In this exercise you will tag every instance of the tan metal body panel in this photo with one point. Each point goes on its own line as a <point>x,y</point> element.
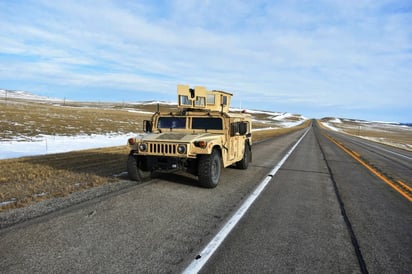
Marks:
<point>201,98</point>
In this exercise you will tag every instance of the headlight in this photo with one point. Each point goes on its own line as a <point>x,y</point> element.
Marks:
<point>181,149</point>
<point>142,147</point>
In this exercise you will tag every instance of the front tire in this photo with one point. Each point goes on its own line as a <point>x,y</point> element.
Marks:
<point>135,171</point>
<point>209,169</point>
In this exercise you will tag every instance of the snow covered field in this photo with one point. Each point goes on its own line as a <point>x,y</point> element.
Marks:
<point>47,144</point>
<point>92,125</point>
<point>37,125</point>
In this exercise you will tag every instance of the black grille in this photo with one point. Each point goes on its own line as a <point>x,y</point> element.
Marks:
<point>162,149</point>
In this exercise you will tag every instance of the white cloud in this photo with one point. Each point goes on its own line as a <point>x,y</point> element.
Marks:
<point>332,53</point>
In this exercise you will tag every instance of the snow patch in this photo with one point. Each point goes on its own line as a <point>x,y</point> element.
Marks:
<point>9,202</point>
<point>49,144</point>
<point>148,103</point>
<point>139,111</point>
<point>19,94</point>
<point>336,121</point>
<point>330,126</point>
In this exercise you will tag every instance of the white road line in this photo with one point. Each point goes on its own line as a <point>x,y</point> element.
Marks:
<point>214,244</point>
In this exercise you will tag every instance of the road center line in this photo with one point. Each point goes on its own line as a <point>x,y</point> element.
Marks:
<point>379,148</point>
<point>371,169</point>
<point>214,244</point>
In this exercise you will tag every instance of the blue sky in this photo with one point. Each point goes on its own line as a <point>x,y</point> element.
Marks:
<point>349,59</point>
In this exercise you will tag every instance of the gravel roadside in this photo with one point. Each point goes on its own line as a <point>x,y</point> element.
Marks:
<point>18,215</point>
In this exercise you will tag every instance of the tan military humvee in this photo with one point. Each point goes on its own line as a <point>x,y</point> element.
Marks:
<point>200,138</point>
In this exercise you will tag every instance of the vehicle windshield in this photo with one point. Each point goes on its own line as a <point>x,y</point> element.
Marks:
<point>207,123</point>
<point>171,122</point>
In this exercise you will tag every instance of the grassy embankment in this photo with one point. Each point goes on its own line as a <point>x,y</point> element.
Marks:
<point>29,179</point>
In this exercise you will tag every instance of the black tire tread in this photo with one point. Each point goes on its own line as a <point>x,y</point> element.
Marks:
<point>134,172</point>
<point>244,163</point>
<point>205,169</point>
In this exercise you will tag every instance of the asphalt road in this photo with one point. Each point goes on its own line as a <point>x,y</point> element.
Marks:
<point>394,163</point>
<point>317,211</point>
<point>325,213</point>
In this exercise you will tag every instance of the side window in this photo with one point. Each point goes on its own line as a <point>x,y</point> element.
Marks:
<point>224,100</point>
<point>242,128</point>
<point>184,101</point>
<point>234,129</point>
<point>200,101</point>
<point>210,99</point>
<point>239,128</point>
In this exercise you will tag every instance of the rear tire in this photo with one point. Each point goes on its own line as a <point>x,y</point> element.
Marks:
<point>134,170</point>
<point>209,169</point>
<point>244,163</point>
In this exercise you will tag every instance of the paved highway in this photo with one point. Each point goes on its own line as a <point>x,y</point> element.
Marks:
<point>394,163</point>
<point>322,212</point>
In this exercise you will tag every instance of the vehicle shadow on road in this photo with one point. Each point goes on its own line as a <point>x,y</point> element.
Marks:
<point>178,178</point>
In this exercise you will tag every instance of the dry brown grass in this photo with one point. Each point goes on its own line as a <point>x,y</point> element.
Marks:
<point>23,120</point>
<point>29,179</point>
<point>393,135</point>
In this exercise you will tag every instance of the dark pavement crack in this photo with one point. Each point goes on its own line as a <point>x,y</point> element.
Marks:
<point>304,171</point>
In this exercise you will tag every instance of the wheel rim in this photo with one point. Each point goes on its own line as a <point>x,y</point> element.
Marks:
<point>215,170</point>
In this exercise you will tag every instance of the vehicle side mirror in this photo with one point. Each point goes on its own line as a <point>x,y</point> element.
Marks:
<point>147,126</point>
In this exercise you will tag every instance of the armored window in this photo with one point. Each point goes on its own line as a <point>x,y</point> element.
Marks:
<point>234,129</point>
<point>207,123</point>
<point>224,100</point>
<point>242,128</point>
<point>200,101</point>
<point>171,122</point>
<point>184,100</point>
<point>210,99</point>
<point>239,128</point>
